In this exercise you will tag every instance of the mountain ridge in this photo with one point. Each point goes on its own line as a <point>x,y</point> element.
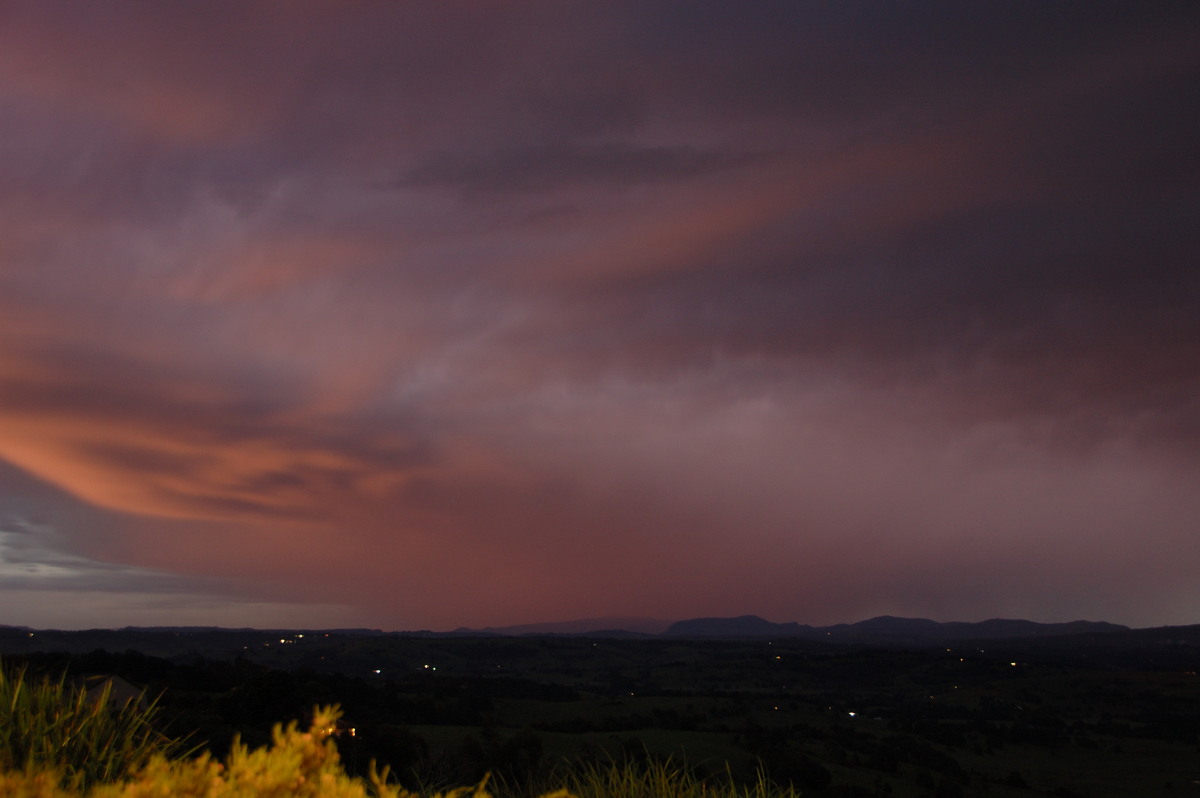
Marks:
<point>610,624</point>
<point>882,629</point>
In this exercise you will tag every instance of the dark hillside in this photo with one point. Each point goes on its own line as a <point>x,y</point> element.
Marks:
<point>1023,716</point>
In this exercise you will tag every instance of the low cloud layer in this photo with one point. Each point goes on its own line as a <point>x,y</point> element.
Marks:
<point>428,316</point>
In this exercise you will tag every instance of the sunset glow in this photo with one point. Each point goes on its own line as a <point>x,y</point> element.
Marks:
<point>435,315</point>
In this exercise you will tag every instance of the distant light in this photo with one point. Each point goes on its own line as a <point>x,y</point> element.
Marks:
<point>851,714</point>
<point>1013,664</point>
<point>377,670</point>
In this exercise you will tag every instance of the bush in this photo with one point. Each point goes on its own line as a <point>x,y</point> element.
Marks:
<point>296,765</point>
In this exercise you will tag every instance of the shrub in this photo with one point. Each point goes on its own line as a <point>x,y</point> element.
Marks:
<point>296,765</point>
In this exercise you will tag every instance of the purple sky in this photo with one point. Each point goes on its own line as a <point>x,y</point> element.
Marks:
<point>420,315</point>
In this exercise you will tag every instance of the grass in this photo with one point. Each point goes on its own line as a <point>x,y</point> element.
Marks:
<point>659,778</point>
<point>51,725</point>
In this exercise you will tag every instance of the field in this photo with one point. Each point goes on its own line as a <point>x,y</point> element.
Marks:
<point>829,720</point>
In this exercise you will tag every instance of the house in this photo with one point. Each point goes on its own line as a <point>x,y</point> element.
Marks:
<point>120,691</point>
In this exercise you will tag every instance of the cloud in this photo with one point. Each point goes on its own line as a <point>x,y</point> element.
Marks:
<point>27,561</point>
<point>64,564</point>
<point>118,606</point>
<point>562,164</point>
<point>45,586</point>
<point>125,437</point>
<point>460,317</point>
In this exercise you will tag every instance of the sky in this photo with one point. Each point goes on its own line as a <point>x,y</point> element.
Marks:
<point>427,315</point>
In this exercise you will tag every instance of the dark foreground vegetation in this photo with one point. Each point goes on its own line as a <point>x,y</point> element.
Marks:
<point>963,720</point>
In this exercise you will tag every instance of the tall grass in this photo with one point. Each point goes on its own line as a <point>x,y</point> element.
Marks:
<point>51,725</point>
<point>661,779</point>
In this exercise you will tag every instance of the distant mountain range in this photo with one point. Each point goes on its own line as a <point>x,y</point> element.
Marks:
<point>619,625</point>
<point>1078,642</point>
<point>880,630</point>
<point>885,628</point>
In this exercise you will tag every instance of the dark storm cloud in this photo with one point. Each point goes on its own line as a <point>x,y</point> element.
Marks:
<point>818,310</point>
<point>1057,248</point>
<point>550,166</point>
